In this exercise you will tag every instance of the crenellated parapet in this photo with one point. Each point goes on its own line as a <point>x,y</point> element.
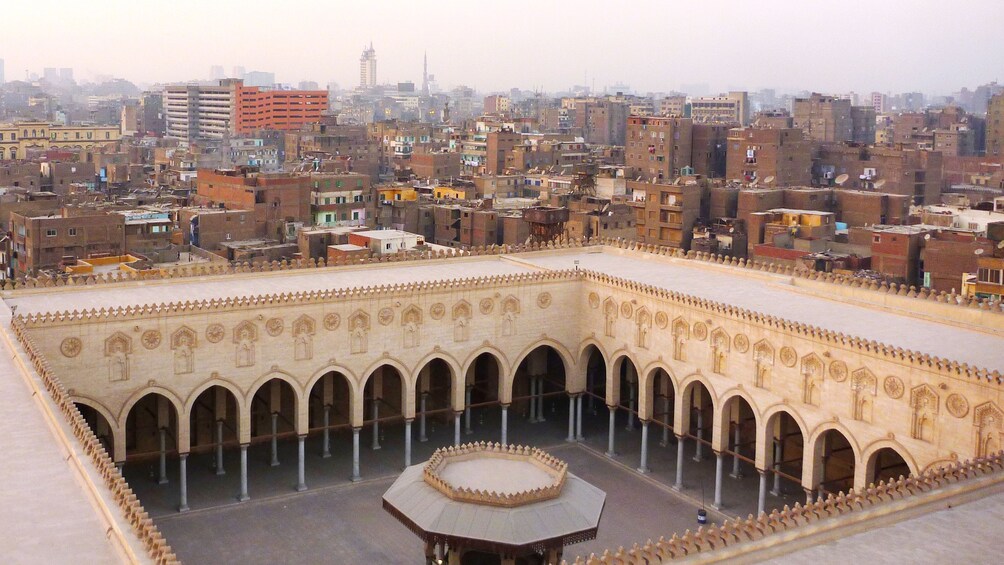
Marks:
<point>153,541</point>
<point>738,538</point>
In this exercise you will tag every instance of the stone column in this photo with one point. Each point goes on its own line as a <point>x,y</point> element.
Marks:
<point>610,433</point>
<point>571,418</point>
<point>162,478</point>
<point>275,439</point>
<point>505,424</point>
<point>809,498</point>
<point>719,464</point>
<point>680,441</point>
<point>631,407</point>
<point>243,496</point>
<point>407,443</point>
<point>421,419</point>
<point>183,482</point>
<point>301,484</point>
<point>376,423</point>
<point>776,467</point>
<point>735,454</point>
<point>699,450</point>
<point>762,496</point>
<point>643,468</point>
<point>219,448</point>
<point>467,410</point>
<point>540,399</point>
<point>578,418</point>
<point>456,428</point>
<point>665,416</point>
<point>326,439</point>
<point>355,455</point>
<point>533,400</point>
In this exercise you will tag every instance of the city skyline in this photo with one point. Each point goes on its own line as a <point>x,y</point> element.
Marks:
<point>744,46</point>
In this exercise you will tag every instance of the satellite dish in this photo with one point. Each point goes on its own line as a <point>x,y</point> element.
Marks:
<point>769,179</point>
<point>1000,244</point>
<point>927,236</point>
<point>978,252</point>
<point>880,183</point>
<point>841,179</point>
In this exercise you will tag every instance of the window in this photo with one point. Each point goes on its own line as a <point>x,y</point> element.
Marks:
<point>993,276</point>
<point>876,238</point>
<point>72,231</point>
<point>50,232</point>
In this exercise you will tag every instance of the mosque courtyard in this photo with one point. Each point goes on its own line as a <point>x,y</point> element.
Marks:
<point>336,520</point>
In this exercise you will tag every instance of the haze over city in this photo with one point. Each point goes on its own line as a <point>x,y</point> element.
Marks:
<point>855,45</point>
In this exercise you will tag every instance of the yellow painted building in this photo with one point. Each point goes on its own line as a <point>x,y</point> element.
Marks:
<point>397,193</point>
<point>449,193</point>
<point>18,138</point>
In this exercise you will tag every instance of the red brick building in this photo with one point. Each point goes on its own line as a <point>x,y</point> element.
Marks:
<point>275,198</point>
<point>258,109</point>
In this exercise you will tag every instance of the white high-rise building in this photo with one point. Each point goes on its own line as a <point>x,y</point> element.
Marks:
<point>368,68</point>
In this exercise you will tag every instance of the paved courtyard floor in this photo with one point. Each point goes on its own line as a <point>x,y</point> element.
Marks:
<point>343,522</point>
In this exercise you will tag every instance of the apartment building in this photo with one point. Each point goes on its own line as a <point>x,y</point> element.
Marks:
<point>212,111</point>
<point>20,138</point>
<point>732,109</point>
<point>657,148</point>
<point>773,157</point>
<point>49,241</point>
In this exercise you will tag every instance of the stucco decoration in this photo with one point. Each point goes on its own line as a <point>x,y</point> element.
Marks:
<point>215,333</point>
<point>245,336</point>
<point>838,371</point>
<point>332,321</point>
<point>462,312</point>
<point>741,343</point>
<point>508,313</point>
<point>721,344</point>
<point>812,379</point>
<point>118,348</point>
<point>594,300</point>
<point>893,387</point>
<point>71,347</point>
<point>544,299</point>
<point>437,311</point>
<point>643,321</point>
<point>411,322</point>
<point>925,403</point>
<point>700,331</point>
<point>788,356</point>
<point>385,316</point>
<point>763,356</point>
<point>303,330</point>
<point>359,328</point>
<point>864,386</point>
<point>627,310</point>
<point>957,405</point>
<point>681,333</point>
<point>184,340</point>
<point>150,339</point>
<point>988,426</point>
<point>661,320</point>
<point>609,317</point>
<point>274,326</point>
<point>486,306</point>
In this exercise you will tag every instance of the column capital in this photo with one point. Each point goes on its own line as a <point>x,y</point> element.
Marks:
<point>301,436</point>
<point>504,405</point>
<point>761,471</point>
<point>408,420</point>
<point>246,445</point>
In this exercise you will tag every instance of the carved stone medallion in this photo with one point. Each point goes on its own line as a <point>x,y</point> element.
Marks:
<point>486,305</point>
<point>626,309</point>
<point>893,387</point>
<point>838,371</point>
<point>544,299</point>
<point>332,321</point>
<point>661,320</point>
<point>71,347</point>
<point>150,339</point>
<point>788,356</point>
<point>437,311</point>
<point>215,333</point>
<point>957,405</point>
<point>385,316</point>
<point>741,343</point>
<point>594,300</point>
<point>700,331</point>
<point>274,326</point>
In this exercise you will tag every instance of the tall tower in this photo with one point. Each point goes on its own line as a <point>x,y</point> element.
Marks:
<point>425,74</point>
<point>368,67</point>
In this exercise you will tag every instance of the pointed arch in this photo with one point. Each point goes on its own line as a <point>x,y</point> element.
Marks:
<point>229,385</point>
<point>173,398</point>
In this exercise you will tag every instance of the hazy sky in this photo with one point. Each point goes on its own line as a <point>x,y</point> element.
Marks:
<point>823,45</point>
